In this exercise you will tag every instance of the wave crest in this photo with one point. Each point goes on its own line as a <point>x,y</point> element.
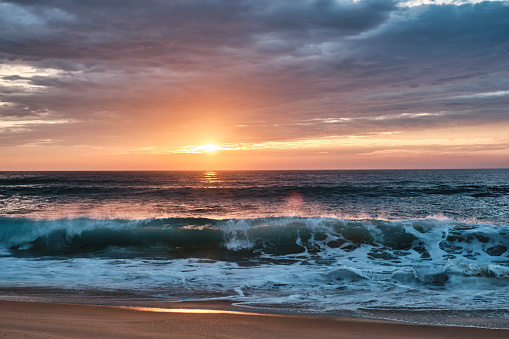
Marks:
<point>374,240</point>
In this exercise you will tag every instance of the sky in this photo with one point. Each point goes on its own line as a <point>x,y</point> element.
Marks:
<point>253,84</point>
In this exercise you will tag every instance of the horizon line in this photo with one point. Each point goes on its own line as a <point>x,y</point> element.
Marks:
<point>261,170</point>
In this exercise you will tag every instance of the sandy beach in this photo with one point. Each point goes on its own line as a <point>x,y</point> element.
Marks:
<point>35,319</point>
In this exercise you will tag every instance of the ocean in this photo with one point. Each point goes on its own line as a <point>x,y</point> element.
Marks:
<point>376,243</point>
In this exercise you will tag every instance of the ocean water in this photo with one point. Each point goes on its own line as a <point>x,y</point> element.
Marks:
<point>308,241</point>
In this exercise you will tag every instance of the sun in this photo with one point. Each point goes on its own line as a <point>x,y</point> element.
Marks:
<point>207,148</point>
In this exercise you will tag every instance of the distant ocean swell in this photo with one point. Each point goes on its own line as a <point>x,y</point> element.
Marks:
<point>41,187</point>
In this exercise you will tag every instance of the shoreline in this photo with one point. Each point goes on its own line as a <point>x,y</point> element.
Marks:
<point>482,319</point>
<point>21,319</point>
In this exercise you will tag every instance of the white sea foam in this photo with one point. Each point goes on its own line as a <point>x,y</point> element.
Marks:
<point>322,264</point>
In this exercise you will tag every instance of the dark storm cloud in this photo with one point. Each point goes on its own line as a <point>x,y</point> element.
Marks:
<point>172,32</point>
<point>444,44</point>
<point>286,63</point>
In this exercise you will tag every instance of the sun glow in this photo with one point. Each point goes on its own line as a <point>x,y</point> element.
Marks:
<point>205,148</point>
<point>208,148</point>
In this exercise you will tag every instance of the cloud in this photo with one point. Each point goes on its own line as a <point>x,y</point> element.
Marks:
<point>125,31</point>
<point>252,71</point>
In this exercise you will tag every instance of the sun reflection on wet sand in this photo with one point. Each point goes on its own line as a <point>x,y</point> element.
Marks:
<point>195,311</point>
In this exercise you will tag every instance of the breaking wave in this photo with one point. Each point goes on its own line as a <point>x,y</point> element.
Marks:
<point>320,262</point>
<point>419,240</point>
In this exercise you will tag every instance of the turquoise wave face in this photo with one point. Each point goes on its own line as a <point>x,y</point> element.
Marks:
<point>418,240</point>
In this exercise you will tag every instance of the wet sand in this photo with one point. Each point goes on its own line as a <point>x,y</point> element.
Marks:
<point>47,320</point>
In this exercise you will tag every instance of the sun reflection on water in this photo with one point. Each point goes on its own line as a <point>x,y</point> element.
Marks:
<point>210,177</point>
